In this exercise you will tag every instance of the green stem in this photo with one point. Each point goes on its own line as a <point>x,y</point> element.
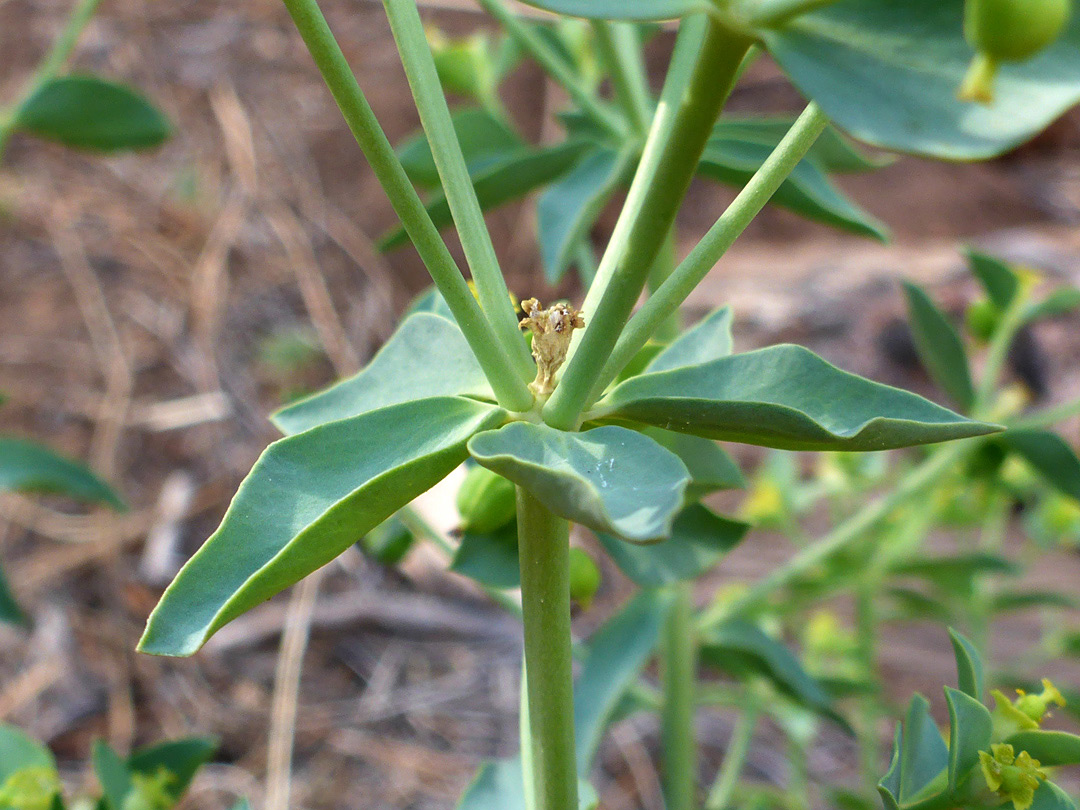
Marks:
<point>544,548</point>
<point>916,482</point>
<point>1049,416</point>
<point>661,271</point>
<point>757,192</point>
<point>505,380</point>
<point>997,354</point>
<point>769,13</point>
<point>679,665</point>
<point>700,79</point>
<point>416,56</point>
<point>51,65</point>
<point>738,749</point>
<point>866,639</point>
<point>620,48</point>
<point>555,66</point>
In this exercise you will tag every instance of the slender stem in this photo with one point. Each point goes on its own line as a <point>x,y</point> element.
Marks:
<point>661,270</point>
<point>1049,416</point>
<point>757,192</point>
<point>505,380</point>
<point>738,749</point>
<point>998,352</point>
<point>679,665</point>
<point>698,84</point>
<point>53,62</point>
<point>416,56</point>
<point>916,482</point>
<point>544,548</point>
<point>866,639</point>
<point>555,66</point>
<point>620,49</point>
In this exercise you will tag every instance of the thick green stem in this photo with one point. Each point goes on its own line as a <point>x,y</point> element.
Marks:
<point>666,300</point>
<point>555,66</point>
<point>680,652</point>
<point>701,77</point>
<point>416,56</point>
<point>620,49</point>
<point>738,749</point>
<point>509,388</point>
<point>544,549</point>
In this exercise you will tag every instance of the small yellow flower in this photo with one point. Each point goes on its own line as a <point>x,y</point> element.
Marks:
<point>1014,777</point>
<point>1035,706</point>
<point>1027,711</point>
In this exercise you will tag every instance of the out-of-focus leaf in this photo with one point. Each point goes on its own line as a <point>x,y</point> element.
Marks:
<point>710,467</point>
<point>1024,600</point>
<point>307,499</point>
<point>1060,302</point>
<point>609,479</point>
<point>88,112</point>
<point>955,573</point>
<point>181,758</point>
<point>699,539</point>
<point>18,751</point>
<point>1049,454</point>
<point>113,775</point>
<point>485,142</point>
<point>939,347</point>
<point>996,277</point>
<point>490,558</point>
<point>10,611</point>
<point>833,152</point>
<point>426,357</point>
<point>622,9</point>
<point>30,467</point>
<point>498,786</point>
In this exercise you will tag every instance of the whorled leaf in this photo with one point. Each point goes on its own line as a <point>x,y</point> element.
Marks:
<point>307,499</point>
<point>427,356</point>
<point>784,397</point>
<point>609,479</point>
<point>910,57</point>
<point>26,466</point>
<point>89,112</point>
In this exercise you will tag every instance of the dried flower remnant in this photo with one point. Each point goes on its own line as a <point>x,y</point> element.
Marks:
<point>552,329</point>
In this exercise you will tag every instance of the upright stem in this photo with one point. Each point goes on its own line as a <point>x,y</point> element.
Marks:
<point>738,748</point>
<point>621,50</point>
<point>866,640</point>
<point>544,549</point>
<point>679,662</point>
<point>698,84</point>
<point>509,388</point>
<point>416,56</point>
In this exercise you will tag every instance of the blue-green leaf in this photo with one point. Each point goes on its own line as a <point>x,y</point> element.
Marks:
<point>709,339</point>
<point>30,467</point>
<point>1049,454</point>
<point>498,786</point>
<point>831,151</point>
<point>784,397</point>
<point>113,775</point>
<point>307,499</point>
<point>996,277</point>
<point>88,112</point>
<point>18,750</point>
<point>699,539</point>
<point>181,758</point>
<point>568,208</point>
<point>485,142</point>
<point>609,479</point>
<point>622,9</point>
<point>969,666</point>
<point>1051,748</point>
<point>710,467</point>
<point>426,357</point>
<point>910,57</point>
<point>969,733</point>
<point>491,558</point>
<point>924,757</point>
<point>1049,796</point>
<point>889,786</point>
<point>939,347</point>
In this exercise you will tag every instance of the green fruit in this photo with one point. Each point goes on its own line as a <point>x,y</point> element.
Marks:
<point>584,577</point>
<point>1014,30</point>
<point>982,319</point>
<point>486,501</point>
<point>389,542</point>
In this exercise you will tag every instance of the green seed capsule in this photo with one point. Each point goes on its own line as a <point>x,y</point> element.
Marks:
<point>584,577</point>
<point>982,319</point>
<point>1007,31</point>
<point>486,501</point>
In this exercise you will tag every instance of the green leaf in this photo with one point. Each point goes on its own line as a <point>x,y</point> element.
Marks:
<point>939,347</point>
<point>1060,302</point>
<point>614,658</point>
<point>485,142</point>
<point>956,572</point>
<point>568,208</point>
<point>910,57</point>
<point>785,397</point>
<point>807,191</point>
<point>30,467</point>
<point>1051,748</point>
<point>832,152</point>
<point>503,181</point>
<point>389,542</point>
<point>489,558</point>
<point>969,733</point>
<point>18,751</point>
<point>699,539</point>
<point>426,357</point>
<point>889,786</point>
<point>709,339</point>
<point>181,758</point>
<point>1005,601</point>
<point>609,479</point>
<point>10,611</point>
<point>969,666</point>
<point>924,757</point>
<point>996,277</point>
<point>307,499</point>
<point>1049,454</point>
<point>87,112</point>
<point>622,9</point>
<point>1049,796</point>
<point>913,604</point>
<point>710,467</point>
<point>430,301</point>
<point>113,775</point>
<point>498,786</point>
<point>743,651</point>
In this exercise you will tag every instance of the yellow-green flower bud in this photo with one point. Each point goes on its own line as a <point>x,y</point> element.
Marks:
<point>30,789</point>
<point>1035,706</point>
<point>1024,713</point>
<point>1014,777</point>
<point>584,577</point>
<point>982,318</point>
<point>486,501</point>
